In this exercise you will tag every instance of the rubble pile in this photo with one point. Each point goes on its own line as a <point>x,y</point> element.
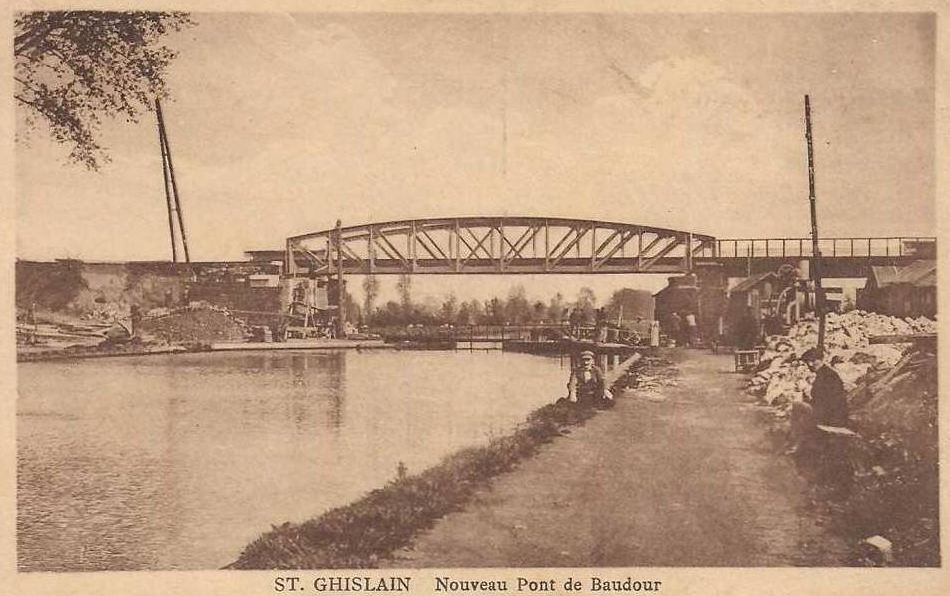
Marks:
<point>654,374</point>
<point>890,508</point>
<point>653,382</point>
<point>782,379</point>
<point>200,325</point>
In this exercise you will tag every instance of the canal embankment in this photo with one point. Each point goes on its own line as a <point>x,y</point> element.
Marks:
<point>203,328</point>
<point>367,532</point>
<point>681,472</point>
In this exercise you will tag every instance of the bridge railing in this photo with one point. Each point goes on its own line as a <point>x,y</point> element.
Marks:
<point>479,332</point>
<point>883,246</point>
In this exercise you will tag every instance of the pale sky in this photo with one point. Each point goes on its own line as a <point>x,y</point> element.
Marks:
<point>282,124</point>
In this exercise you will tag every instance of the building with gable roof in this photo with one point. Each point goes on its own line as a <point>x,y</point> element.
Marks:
<point>909,291</point>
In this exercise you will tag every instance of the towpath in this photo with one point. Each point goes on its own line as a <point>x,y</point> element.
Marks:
<point>687,478</point>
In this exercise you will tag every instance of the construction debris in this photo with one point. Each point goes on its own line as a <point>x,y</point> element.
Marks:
<point>656,374</point>
<point>781,379</point>
<point>195,326</point>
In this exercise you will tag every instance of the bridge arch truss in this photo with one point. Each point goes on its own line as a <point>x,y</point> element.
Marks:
<point>495,245</point>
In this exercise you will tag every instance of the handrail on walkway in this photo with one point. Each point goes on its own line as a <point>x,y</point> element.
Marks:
<point>880,246</point>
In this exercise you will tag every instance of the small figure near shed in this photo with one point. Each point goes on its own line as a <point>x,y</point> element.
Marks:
<point>747,331</point>
<point>676,328</point>
<point>135,315</point>
<point>691,334</point>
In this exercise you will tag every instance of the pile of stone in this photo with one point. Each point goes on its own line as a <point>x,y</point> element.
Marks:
<point>781,378</point>
<point>191,326</point>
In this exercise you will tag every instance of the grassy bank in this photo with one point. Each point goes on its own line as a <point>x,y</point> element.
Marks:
<point>362,533</point>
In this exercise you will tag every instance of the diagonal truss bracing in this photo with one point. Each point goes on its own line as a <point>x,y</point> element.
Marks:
<point>511,245</point>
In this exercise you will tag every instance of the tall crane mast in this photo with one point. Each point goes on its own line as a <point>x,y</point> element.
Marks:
<point>172,198</point>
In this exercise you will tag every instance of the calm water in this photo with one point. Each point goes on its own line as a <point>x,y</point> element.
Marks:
<point>178,462</point>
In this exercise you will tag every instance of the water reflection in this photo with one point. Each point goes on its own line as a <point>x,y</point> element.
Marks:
<point>179,461</point>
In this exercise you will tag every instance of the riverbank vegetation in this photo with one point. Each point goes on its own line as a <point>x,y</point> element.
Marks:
<point>361,534</point>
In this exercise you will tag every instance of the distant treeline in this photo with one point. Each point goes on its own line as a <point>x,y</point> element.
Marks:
<point>624,305</point>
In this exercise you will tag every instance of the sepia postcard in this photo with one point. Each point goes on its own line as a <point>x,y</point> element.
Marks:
<point>473,298</point>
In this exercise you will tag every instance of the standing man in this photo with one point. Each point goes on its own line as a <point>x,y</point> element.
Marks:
<point>675,331</point>
<point>600,325</point>
<point>654,333</point>
<point>575,321</point>
<point>692,331</point>
<point>747,331</point>
<point>586,385</point>
<point>135,314</point>
<point>31,321</point>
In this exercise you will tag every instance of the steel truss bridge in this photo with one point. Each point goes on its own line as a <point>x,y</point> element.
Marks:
<point>532,245</point>
<point>493,245</point>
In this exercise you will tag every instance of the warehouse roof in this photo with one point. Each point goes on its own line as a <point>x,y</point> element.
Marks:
<point>749,283</point>
<point>919,273</point>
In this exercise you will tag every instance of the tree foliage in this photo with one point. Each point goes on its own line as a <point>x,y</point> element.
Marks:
<point>370,293</point>
<point>514,310</point>
<point>633,303</point>
<point>586,304</point>
<point>404,288</point>
<point>74,68</point>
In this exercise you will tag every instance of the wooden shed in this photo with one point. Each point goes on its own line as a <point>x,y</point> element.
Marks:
<point>909,291</point>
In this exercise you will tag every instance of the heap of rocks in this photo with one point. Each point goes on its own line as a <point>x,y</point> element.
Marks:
<point>781,378</point>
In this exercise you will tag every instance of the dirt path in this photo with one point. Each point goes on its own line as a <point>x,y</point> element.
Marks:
<point>691,480</point>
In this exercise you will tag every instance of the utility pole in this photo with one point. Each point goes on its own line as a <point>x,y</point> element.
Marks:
<point>816,254</point>
<point>171,194</point>
<point>340,292</point>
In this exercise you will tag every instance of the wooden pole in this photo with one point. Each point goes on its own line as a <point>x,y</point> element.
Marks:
<point>171,175</point>
<point>341,293</point>
<point>168,193</point>
<point>816,254</point>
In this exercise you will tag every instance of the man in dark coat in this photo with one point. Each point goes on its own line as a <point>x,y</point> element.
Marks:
<point>675,332</point>
<point>827,405</point>
<point>828,400</point>
<point>747,331</point>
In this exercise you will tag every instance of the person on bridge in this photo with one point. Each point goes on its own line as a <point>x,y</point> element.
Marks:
<point>587,386</point>
<point>600,325</point>
<point>827,405</point>
<point>574,318</point>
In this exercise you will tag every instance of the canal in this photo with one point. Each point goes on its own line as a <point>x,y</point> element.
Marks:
<point>179,461</point>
